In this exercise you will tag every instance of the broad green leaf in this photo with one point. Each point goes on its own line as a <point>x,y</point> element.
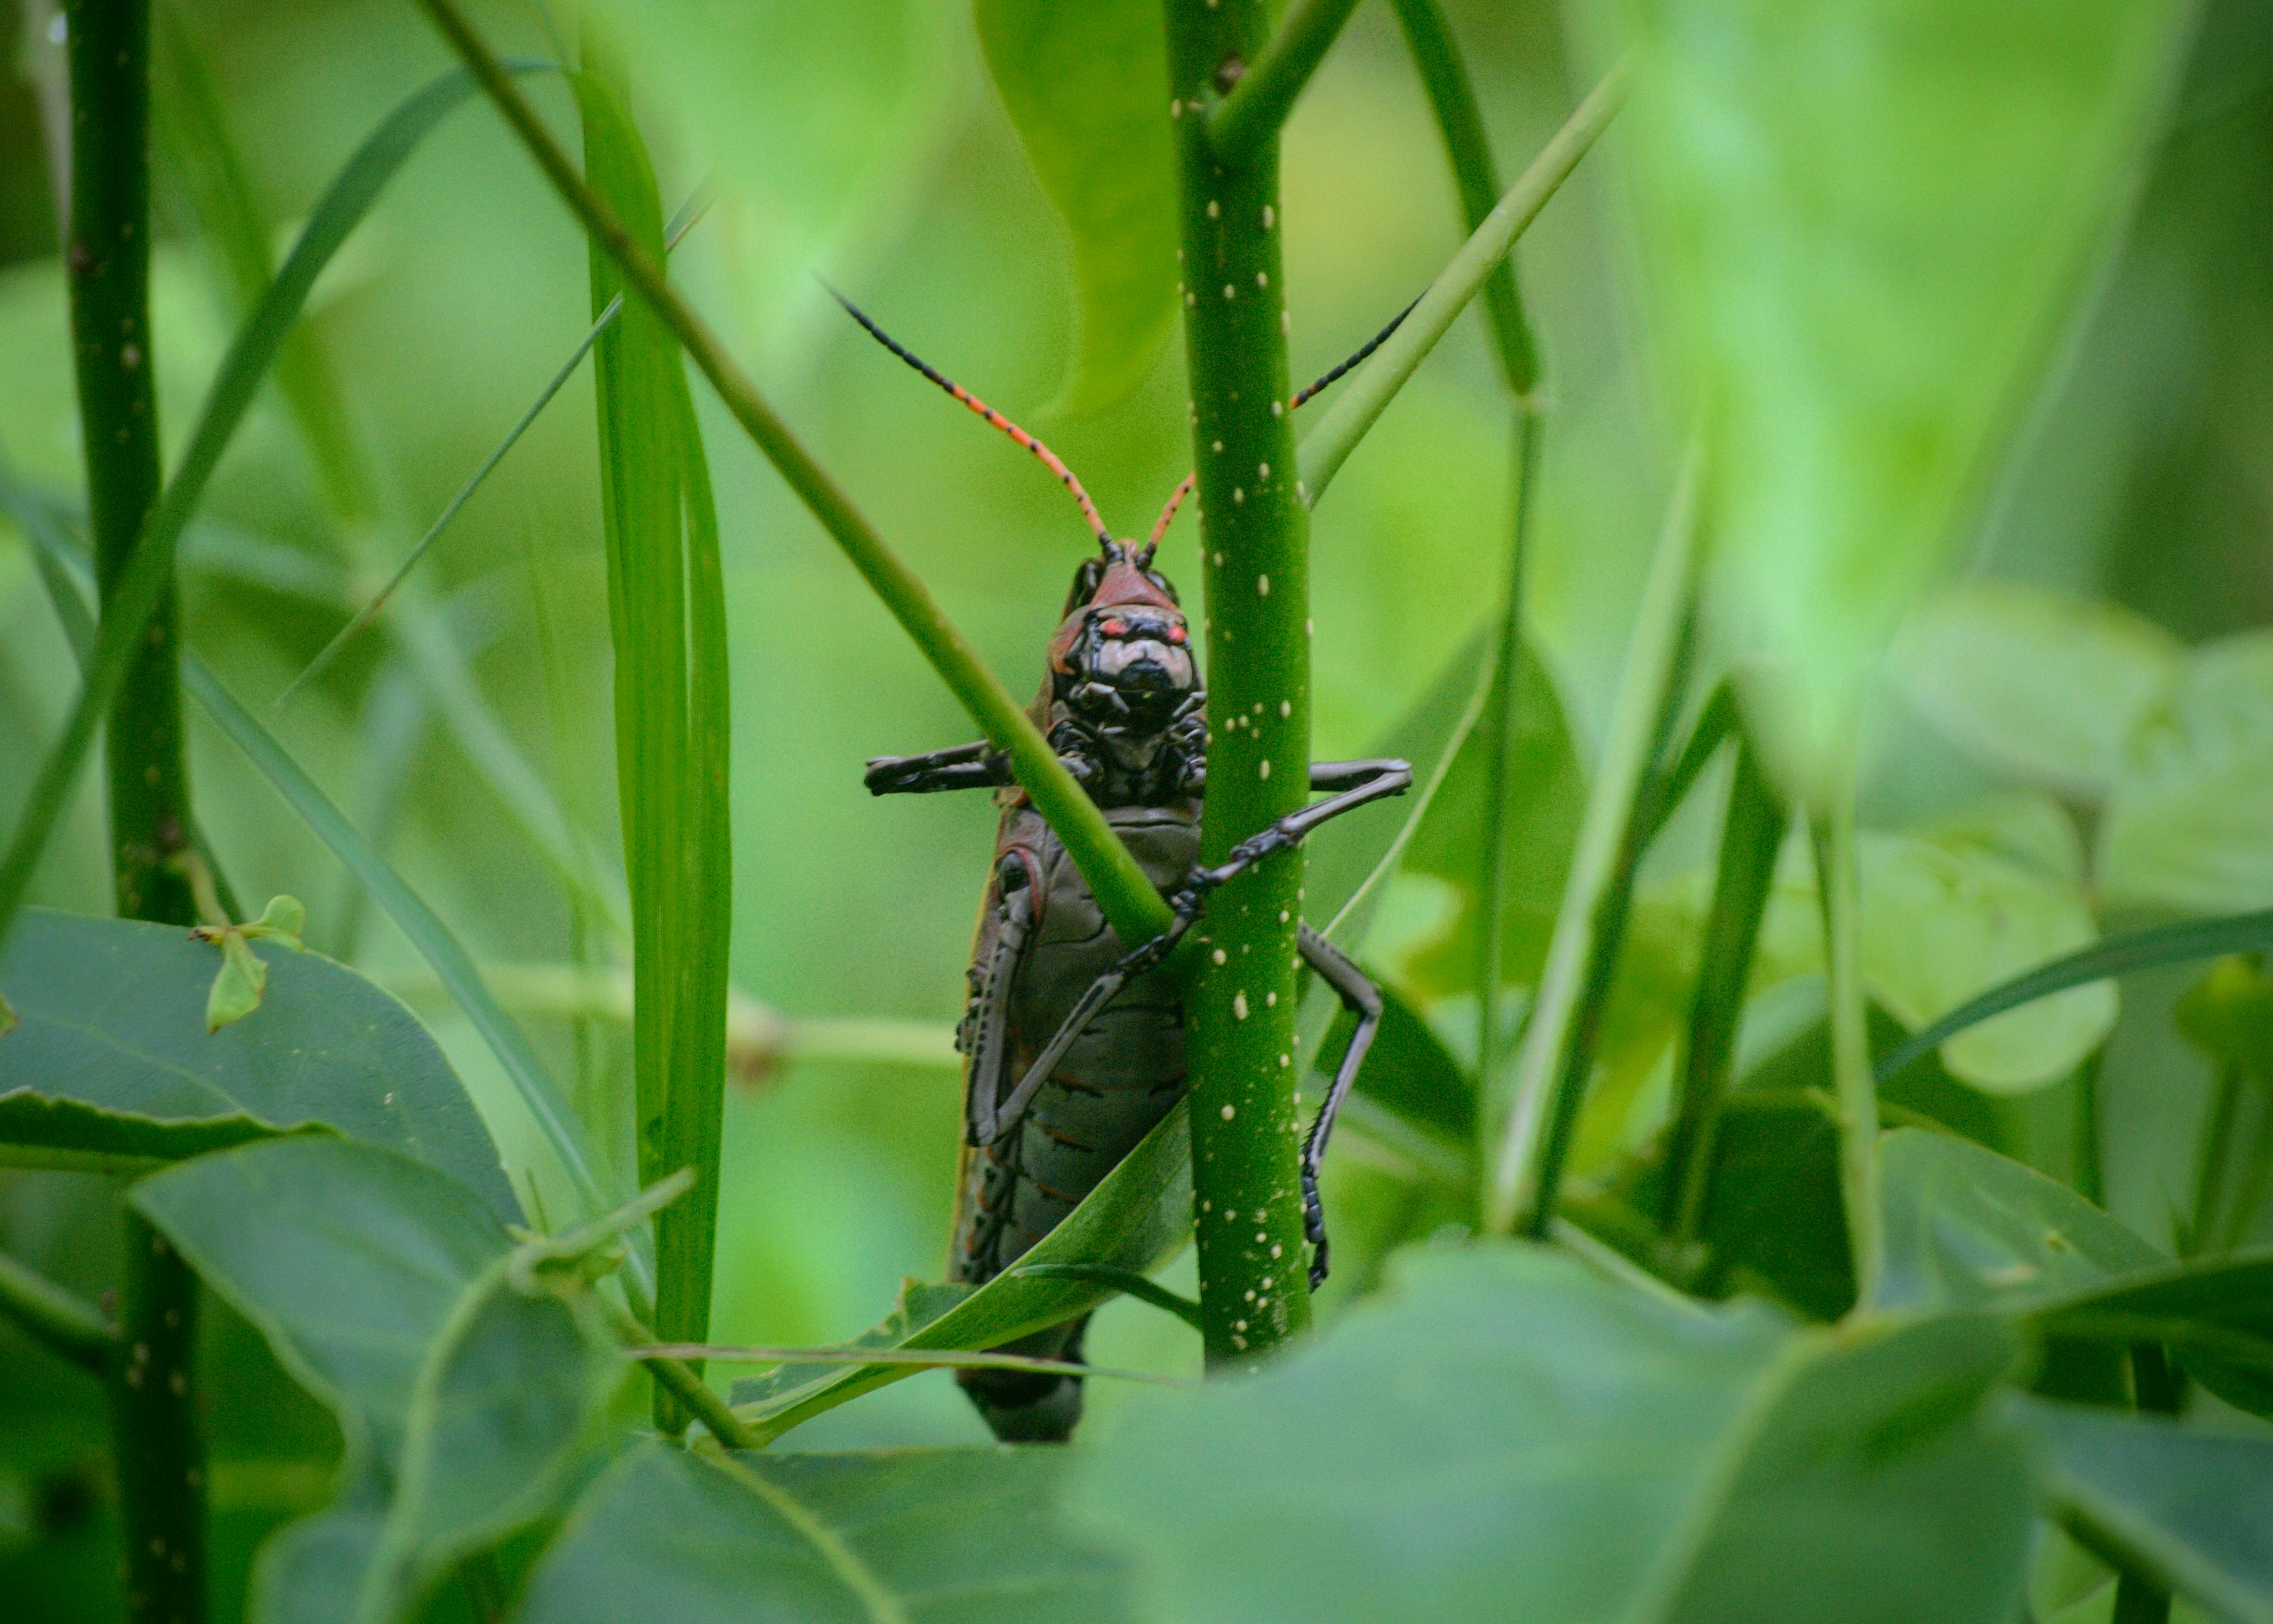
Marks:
<point>2216,1314</point>
<point>1865,223</point>
<point>2041,684</point>
<point>1944,914</point>
<point>508,1404</point>
<point>1950,910</point>
<point>384,1288</point>
<point>112,1064</point>
<point>1774,1220</point>
<point>1969,1229</point>
<point>814,119</point>
<point>947,1535</point>
<point>2187,825</point>
<point>1137,1218</point>
<point>1506,1434</point>
<point>2194,1508</point>
<point>1086,87</point>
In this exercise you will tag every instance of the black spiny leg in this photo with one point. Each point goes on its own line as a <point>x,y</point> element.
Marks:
<point>1362,1000</point>
<point>966,767</point>
<point>1369,781</point>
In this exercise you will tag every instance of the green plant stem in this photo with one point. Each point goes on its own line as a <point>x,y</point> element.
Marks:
<point>157,1445</point>
<point>2157,1390</point>
<point>54,1318</point>
<point>1364,397</point>
<point>1135,909</point>
<point>1127,1282</point>
<point>1459,123</point>
<point>1838,880</point>
<point>1251,114</point>
<point>1500,721</point>
<point>2090,1152</point>
<point>2212,1156</point>
<point>1240,1004</point>
<point>1751,834</point>
<point>679,1378</point>
<point>1643,816</point>
<point>1515,1165</point>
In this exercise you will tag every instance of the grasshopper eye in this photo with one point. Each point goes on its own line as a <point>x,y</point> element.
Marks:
<point>1112,628</point>
<point>1176,634</point>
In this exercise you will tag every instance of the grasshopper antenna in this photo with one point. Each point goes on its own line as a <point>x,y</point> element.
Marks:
<point>1176,497</point>
<point>1042,453</point>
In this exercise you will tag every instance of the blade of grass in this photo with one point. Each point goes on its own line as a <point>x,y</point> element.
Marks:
<point>2115,956</point>
<point>141,584</point>
<point>1519,1161</point>
<point>67,576</point>
<point>1751,834</point>
<point>419,925</point>
<point>235,224</point>
<point>1365,396</point>
<point>1128,900</point>
<point>921,1359</point>
<point>1459,123</point>
<point>666,610</point>
<point>464,494</point>
<point>1258,103</point>
<point>1839,883</point>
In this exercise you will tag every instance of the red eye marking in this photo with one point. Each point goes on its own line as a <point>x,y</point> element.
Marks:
<point>1176,634</point>
<point>1112,628</point>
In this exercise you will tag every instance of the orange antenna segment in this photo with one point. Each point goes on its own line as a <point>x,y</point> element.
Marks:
<point>1043,453</point>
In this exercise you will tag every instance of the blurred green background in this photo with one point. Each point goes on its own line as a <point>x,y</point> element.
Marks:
<point>2145,474</point>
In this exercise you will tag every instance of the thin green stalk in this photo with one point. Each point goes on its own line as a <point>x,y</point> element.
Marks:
<point>2157,1390</point>
<point>1644,816</point>
<point>680,1380</point>
<point>1364,397</point>
<point>1838,881</point>
<point>1262,92</point>
<point>1459,123</point>
<point>1240,1007</point>
<point>1517,1162</point>
<point>1751,834</point>
<point>2090,1152</point>
<point>1500,722</point>
<point>2213,1155</point>
<point>2256,1177</point>
<point>1130,902</point>
<point>157,1444</point>
<point>58,1321</point>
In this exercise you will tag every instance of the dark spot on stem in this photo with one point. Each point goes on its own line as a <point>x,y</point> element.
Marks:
<point>1228,72</point>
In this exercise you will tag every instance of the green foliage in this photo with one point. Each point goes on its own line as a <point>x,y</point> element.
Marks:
<point>467,1396</point>
<point>953,1534</point>
<point>93,1079</point>
<point>1084,84</point>
<point>1864,225</point>
<point>1508,1432</point>
<point>668,618</point>
<point>1138,1217</point>
<point>2189,1507</point>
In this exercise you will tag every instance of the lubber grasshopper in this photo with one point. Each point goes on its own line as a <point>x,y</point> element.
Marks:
<point>1073,1042</point>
